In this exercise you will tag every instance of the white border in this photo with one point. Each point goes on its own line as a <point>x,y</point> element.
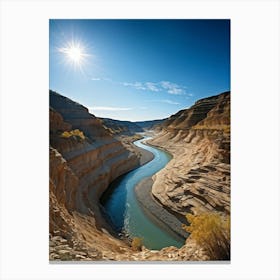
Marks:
<point>24,138</point>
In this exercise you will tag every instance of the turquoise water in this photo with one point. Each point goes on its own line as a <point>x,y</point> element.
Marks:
<point>124,211</point>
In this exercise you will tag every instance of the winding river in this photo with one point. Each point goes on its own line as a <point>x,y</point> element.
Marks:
<point>124,211</point>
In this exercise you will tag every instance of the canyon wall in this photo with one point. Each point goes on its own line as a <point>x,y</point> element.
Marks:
<point>149,125</point>
<point>84,160</point>
<point>198,177</point>
<point>122,128</point>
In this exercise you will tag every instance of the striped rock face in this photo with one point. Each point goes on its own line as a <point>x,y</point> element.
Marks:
<point>198,177</point>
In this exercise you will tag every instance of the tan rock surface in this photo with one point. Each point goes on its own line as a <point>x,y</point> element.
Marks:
<point>198,176</point>
<point>80,170</point>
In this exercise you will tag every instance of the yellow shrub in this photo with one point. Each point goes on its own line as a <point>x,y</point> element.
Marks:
<point>211,231</point>
<point>66,134</point>
<point>136,243</point>
<point>75,132</point>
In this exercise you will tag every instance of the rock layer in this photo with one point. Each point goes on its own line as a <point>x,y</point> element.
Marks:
<point>121,127</point>
<point>96,160</point>
<point>198,177</point>
<point>81,168</point>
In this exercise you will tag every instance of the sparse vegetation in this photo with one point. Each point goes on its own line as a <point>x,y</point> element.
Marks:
<point>211,231</point>
<point>136,243</point>
<point>73,133</point>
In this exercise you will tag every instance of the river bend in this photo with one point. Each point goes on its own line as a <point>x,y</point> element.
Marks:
<point>124,211</point>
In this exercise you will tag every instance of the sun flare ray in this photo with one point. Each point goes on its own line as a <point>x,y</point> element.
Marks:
<point>75,54</point>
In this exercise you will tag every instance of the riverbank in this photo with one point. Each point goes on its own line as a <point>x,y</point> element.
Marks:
<point>128,216</point>
<point>145,156</point>
<point>147,201</point>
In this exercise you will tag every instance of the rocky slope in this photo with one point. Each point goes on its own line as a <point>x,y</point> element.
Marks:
<point>123,129</point>
<point>127,128</point>
<point>148,125</point>
<point>97,158</point>
<point>84,160</point>
<point>198,177</point>
<point>117,127</point>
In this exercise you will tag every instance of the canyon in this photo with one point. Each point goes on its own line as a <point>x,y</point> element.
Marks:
<point>87,154</point>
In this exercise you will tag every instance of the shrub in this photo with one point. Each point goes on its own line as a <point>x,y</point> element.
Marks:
<point>73,133</point>
<point>136,243</point>
<point>211,231</point>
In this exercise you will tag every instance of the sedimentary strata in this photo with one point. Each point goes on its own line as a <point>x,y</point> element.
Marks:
<point>198,177</point>
<point>84,160</point>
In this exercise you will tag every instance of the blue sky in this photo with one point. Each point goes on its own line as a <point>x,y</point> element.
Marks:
<point>139,69</point>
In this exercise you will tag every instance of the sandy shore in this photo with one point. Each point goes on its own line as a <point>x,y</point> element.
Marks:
<point>144,196</point>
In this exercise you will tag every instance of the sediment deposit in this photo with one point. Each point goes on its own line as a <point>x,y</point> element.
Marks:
<point>198,177</point>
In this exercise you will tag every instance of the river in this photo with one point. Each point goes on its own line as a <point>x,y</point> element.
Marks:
<point>124,211</point>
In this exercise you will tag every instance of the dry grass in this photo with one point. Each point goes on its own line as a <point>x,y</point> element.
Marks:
<point>211,231</point>
<point>136,243</point>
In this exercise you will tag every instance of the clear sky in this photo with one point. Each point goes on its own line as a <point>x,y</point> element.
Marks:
<point>139,69</point>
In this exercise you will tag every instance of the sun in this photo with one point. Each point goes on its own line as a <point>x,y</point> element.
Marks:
<point>75,54</point>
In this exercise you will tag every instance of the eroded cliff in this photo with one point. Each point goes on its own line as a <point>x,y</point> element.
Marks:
<point>84,160</point>
<point>198,177</point>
